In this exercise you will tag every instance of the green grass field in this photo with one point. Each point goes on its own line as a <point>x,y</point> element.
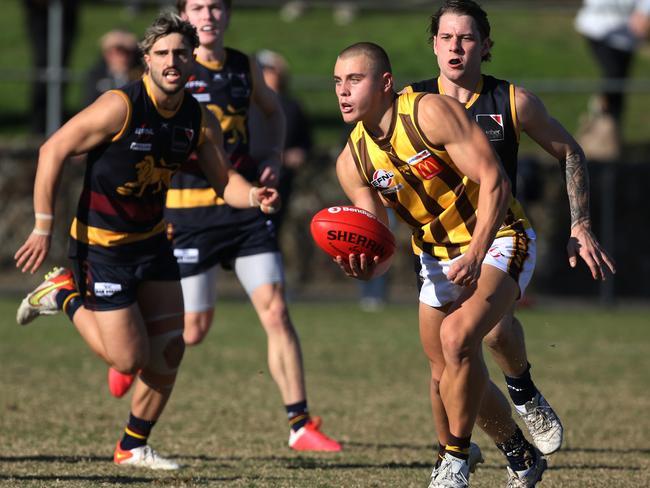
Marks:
<point>366,376</point>
<point>538,44</point>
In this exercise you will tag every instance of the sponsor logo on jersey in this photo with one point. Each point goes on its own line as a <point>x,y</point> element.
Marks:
<point>144,133</point>
<point>195,85</point>
<point>185,256</point>
<point>181,138</point>
<point>202,97</point>
<point>426,164</point>
<point>140,146</point>
<point>492,125</point>
<point>105,289</point>
<point>382,180</point>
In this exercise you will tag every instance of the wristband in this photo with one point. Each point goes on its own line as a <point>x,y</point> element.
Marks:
<point>252,198</point>
<point>43,225</point>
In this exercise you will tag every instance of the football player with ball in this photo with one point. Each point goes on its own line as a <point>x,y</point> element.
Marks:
<point>474,246</point>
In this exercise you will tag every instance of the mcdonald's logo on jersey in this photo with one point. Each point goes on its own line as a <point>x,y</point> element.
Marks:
<point>426,164</point>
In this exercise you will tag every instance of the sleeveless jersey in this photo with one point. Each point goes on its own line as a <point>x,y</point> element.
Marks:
<point>493,108</point>
<point>225,89</point>
<point>120,213</point>
<point>423,185</point>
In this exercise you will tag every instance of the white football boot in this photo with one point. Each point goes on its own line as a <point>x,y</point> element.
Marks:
<point>543,424</point>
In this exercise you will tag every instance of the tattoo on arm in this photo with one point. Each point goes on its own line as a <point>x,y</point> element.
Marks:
<point>577,187</point>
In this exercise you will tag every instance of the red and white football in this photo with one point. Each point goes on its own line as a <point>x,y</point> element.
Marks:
<point>344,230</point>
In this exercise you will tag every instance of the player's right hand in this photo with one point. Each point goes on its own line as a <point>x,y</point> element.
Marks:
<point>358,266</point>
<point>32,253</point>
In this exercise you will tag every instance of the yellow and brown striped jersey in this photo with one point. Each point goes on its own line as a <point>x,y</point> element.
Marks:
<point>423,185</point>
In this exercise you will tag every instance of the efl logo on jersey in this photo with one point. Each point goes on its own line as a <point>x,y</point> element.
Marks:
<point>426,164</point>
<point>382,181</point>
<point>103,289</point>
<point>382,178</point>
<point>492,125</point>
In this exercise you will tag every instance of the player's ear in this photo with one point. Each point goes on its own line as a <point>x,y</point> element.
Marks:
<point>388,82</point>
<point>486,47</point>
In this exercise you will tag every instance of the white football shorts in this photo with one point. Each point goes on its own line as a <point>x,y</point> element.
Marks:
<point>514,255</point>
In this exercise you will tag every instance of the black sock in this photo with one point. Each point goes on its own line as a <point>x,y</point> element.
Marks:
<point>441,454</point>
<point>136,432</point>
<point>519,452</point>
<point>521,389</point>
<point>69,301</point>
<point>298,415</point>
<point>458,447</point>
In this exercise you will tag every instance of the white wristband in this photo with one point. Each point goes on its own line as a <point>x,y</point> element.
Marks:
<point>41,232</point>
<point>252,198</point>
<point>43,216</point>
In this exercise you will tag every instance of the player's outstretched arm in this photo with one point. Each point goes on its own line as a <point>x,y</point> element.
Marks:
<point>445,122</point>
<point>274,123</point>
<point>362,196</point>
<point>236,191</point>
<point>546,131</point>
<point>97,123</point>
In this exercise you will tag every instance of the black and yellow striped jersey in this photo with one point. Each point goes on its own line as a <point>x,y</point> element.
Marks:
<point>423,185</point>
<point>120,212</point>
<point>493,108</point>
<point>225,89</point>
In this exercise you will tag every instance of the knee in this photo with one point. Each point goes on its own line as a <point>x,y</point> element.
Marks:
<point>130,363</point>
<point>457,342</point>
<point>275,318</point>
<point>196,327</point>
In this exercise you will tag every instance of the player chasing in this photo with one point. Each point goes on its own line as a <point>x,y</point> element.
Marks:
<point>208,234</point>
<point>475,250</point>
<point>128,303</point>
<point>460,39</point>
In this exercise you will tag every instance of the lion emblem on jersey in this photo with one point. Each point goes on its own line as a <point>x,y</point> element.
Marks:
<point>233,123</point>
<point>149,176</point>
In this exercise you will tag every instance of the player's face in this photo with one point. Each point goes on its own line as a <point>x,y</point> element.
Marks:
<point>458,47</point>
<point>210,17</point>
<point>357,88</point>
<point>169,61</point>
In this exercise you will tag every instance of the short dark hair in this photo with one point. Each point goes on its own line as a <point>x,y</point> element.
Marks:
<point>379,61</point>
<point>165,24</point>
<point>180,5</point>
<point>463,7</point>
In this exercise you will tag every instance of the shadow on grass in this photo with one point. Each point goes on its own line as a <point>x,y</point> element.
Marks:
<point>118,480</point>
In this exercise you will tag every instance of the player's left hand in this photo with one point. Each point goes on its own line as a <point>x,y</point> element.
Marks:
<point>267,198</point>
<point>466,270</point>
<point>32,253</point>
<point>358,266</point>
<point>583,243</point>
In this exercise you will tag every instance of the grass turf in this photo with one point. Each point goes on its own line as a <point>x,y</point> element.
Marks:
<point>366,376</point>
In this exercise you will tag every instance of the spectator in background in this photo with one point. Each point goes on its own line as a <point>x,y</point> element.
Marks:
<point>298,140</point>
<point>36,17</point>
<point>613,29</point>
<point>119,64</point>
